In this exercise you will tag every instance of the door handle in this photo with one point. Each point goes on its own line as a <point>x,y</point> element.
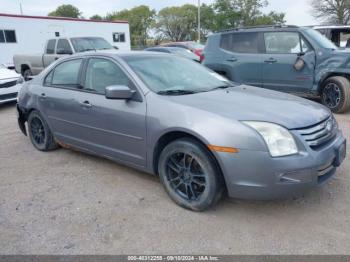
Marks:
<point>56,58</point>
<point>43,96</point>
<point>271,60</point>
<point>86,104</point>
<point>232,59</point>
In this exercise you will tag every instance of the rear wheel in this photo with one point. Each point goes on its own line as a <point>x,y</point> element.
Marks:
<point>27,73</point>
<point>40,133</point>
<point>336,94</point>
<point>190,175</point>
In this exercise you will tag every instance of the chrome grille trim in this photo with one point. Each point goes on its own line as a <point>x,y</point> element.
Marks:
<point>320,134</point>
<point>8,84</point>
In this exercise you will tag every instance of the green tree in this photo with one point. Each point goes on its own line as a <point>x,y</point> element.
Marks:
<point>178,23</point>
<point>235,13</point>
<point>272,18</point>
<point>141,21</point>
<point>332,11</point>
<point>96,17</point>
<point>66,11</point>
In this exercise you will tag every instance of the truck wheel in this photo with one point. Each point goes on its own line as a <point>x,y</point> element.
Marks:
<point>26,74</point>
<point>336,94</point>
<point>190,175</point>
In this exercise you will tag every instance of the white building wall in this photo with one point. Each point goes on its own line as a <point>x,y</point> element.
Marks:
<point>32,34</point>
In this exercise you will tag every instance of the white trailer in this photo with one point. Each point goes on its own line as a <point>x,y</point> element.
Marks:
<point>28,34</point>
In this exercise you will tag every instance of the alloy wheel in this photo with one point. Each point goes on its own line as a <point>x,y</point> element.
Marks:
<point>331,95</point>
<point>38,131</point>
<point>186,176</point>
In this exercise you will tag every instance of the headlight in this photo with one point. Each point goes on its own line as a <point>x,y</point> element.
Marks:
<point>20,80</point>
<point>279,140</point>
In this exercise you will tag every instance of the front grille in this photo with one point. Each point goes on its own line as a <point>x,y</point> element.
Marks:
<point>8,96</point>
<point>320,134</point>
<point>8,84</point>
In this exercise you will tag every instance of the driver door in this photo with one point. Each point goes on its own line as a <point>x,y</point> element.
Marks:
<point>282,50</point>
<point>112,128</point>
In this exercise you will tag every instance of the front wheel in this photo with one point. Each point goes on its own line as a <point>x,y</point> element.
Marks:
<point>336,94</point>
<point>40,133</point>
<point>190,175</point>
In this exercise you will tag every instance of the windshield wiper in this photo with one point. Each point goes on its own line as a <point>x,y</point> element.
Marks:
<point>176,92</point>
<point>220,87</point>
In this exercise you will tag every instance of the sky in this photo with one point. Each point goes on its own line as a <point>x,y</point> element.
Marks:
<point>297,11</point>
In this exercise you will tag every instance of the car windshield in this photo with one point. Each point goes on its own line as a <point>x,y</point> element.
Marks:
<point>171,74</point>
<point>321,39</point>
<point>83,44</point>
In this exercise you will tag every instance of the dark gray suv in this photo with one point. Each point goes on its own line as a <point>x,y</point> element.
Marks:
<point>291,59</point>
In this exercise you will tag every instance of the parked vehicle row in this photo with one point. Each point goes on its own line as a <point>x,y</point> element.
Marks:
<point>194,47</point>
<point>290,59</point>
<point>56,48</point>
<point>176,51</point>
<point>199,132</point>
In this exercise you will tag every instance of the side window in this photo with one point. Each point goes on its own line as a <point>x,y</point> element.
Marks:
<point>119,37</point>
<point>101,73</point>
<point>63,47</point>
<point>48,78</point>
<point>50,48</point>
<point>10,36</point>
<point>305,46</point>
<point>282,43</point>
<point>2,36</point>
<point>240,42</point>
<point>67,73</point>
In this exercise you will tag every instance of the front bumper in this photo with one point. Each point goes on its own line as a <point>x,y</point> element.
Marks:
<point>9,94</point>
<point>256,175</point>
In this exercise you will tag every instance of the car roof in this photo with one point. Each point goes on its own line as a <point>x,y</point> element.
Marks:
<point>330,26</point>
<point>263,28</point>
<point>117,53</point>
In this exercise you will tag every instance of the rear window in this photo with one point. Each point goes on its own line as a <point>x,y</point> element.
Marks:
<point>240,42</point>
<point>50,48</point>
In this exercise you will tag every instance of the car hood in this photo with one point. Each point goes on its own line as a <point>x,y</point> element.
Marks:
<point>7,74</point>
<point>257,104</point>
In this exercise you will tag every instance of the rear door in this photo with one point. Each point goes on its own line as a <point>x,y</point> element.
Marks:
<point>283,49</point>
<point>241,57</point>
<point>59,100</point>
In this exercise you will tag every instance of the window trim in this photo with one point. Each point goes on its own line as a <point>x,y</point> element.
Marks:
<point>258,36</point>
<point>301,37</point>
<point>135,87</point>
<point>5,39</point>
<point>138,97</point>
<point>54,50</point>
<point>3,35</point>
<point>119,33</point>
<point>69,43</point>
<point>69,87</point>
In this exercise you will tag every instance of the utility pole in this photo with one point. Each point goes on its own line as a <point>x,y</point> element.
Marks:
<point>199,21</point>
<point>20,8</point>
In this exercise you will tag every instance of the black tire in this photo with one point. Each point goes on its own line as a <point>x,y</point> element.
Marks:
<point>336,94</point>
<point>201,181</point>
<point>40,133</point>
<point>26,74</point>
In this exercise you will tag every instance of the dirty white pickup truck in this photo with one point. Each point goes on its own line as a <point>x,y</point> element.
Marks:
<point>29,65</point>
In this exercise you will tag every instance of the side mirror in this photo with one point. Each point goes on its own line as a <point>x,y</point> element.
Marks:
<point>63,52</point>
<point>119,92</point>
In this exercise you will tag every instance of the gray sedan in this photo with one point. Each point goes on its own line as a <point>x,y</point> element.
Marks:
<point>172,117</point>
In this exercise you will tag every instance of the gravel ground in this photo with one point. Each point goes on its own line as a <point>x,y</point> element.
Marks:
<point>66,202</point>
